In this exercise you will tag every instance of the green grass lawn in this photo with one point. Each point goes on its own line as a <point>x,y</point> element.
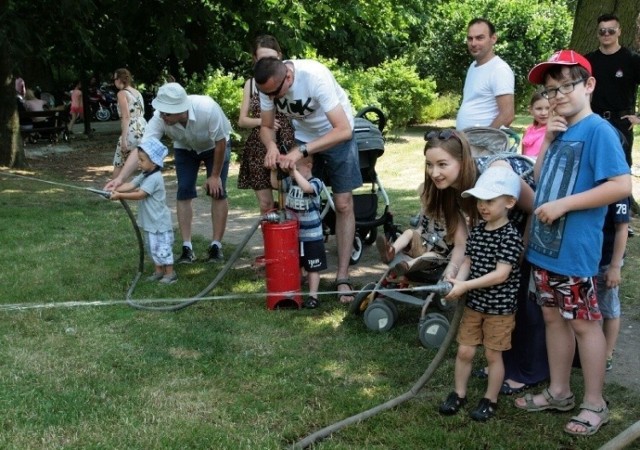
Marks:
<point>226,374</point>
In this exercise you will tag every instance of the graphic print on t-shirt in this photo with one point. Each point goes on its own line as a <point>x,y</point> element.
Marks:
<point>563,160</point>
<point>295,109</point>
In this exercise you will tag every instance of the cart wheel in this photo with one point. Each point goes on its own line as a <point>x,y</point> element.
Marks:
<point>380,315</point>
<point>356,251</point>
<point>362,299</point>
<point>432,332</point>
<point>373,115</point>
<point>370,236</point>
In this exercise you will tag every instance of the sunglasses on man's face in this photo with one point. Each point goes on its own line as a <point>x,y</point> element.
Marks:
<point>606,31</point>
<point>276,91</point>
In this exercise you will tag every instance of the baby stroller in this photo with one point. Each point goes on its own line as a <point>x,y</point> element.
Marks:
<point>369,124</point>
<point>421,285</point>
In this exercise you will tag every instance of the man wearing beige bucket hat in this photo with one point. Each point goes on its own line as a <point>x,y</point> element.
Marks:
<point>201,133</point>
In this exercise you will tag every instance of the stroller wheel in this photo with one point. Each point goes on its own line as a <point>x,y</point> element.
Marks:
<point>380,315</point>
<point>356,251</point>
<point>436,316</point>
<point>362,299</point>
<point>370,236</point>
<point>432,331</point>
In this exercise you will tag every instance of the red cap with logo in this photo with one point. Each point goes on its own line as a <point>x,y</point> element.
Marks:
<point>560,58</point>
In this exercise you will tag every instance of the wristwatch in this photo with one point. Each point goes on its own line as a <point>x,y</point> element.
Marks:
<point>303,149</point>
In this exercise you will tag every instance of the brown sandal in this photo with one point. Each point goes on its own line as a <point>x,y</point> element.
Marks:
<point>349,293</point>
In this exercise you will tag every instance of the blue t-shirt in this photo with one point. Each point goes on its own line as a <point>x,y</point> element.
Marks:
<point>581,158</point>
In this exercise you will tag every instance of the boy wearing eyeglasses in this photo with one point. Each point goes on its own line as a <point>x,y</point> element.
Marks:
<point>580,170</point>
<point>617,71</point>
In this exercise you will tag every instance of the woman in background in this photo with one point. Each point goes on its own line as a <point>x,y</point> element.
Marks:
<point>132,121</point>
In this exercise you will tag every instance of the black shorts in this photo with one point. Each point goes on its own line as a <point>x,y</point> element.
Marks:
<point>312,256</point>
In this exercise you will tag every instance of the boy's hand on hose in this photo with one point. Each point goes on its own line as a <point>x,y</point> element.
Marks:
<point>458,290</point>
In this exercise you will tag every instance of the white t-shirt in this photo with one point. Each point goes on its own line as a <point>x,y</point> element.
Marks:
<point>207,124</point>
<point>481,87</point>
<point>314,92</point>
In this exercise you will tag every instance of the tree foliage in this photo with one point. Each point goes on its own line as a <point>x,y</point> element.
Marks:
<point>51,45</point>
<point>527,32</point>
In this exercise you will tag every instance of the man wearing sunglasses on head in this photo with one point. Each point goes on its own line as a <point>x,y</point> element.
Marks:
<point>322,119</point>
<point>617,73</point>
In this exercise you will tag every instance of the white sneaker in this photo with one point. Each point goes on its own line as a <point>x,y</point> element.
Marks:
<point>169,279</point>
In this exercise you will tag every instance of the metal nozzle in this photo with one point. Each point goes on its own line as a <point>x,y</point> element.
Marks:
<point>441,288</point>
<point>105,194</point>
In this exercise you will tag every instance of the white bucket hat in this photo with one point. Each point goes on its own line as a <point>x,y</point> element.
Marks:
<point>171,99</point>
<point>494,182</point>
<point>155,149</point>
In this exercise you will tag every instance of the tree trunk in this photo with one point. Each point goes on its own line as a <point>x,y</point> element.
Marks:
<point>584,38</point>
<point>11,147</point>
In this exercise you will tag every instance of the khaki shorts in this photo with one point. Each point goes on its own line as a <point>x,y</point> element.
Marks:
<point>491,330</point>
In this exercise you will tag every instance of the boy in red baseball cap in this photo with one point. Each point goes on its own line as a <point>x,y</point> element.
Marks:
<point>580,170</point>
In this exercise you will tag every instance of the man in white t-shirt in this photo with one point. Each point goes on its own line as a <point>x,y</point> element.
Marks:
<point>322,118</point>
<point>488,96</point>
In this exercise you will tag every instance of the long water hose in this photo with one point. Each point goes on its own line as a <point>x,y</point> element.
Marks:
<point>106,194</point>
<point>324,432</point>
<point>411,393</point>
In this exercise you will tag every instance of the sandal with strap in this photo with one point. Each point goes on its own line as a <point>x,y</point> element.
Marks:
<point>590,429</point>
<point>310,303</point>
<point>349,293</point>
<point>560,404</point>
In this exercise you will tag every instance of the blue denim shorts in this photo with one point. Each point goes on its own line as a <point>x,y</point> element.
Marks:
<point>339,167</point>
<point>608,299</point>
<point>188,165</point>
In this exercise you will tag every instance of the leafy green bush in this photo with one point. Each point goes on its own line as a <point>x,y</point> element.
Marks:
<point>394,86</point>
<point>226,89</point>
<point>402,94</point>
<point>444,106</point>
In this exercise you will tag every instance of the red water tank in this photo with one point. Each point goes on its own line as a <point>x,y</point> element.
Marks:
<point>282,264</point>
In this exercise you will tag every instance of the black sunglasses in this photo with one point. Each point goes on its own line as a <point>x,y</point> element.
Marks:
<point>605,31</point>
<point>443,135</point>
<point>277,91</point>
